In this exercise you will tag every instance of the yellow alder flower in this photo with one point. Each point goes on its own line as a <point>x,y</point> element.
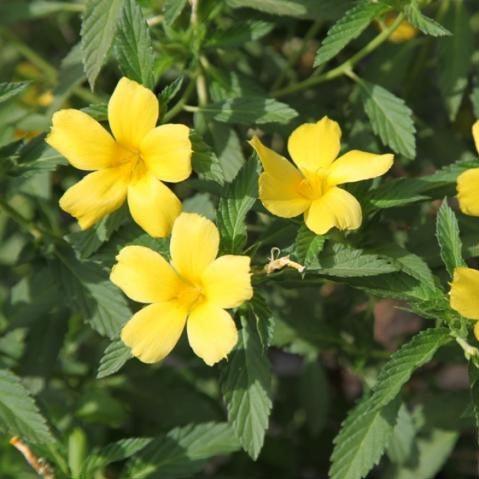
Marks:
<point>194,289</point>
<point>404,32</point>
<point>312,188</point>
<point>464,297</point>
<point>130,165</point>
<point>468,183</point>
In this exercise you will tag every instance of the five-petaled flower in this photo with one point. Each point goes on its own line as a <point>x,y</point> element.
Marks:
<point>195,289</point>
<point>313,188</point>
<point>464,296</point>
<point>128,166</point>
<point>468,183</point>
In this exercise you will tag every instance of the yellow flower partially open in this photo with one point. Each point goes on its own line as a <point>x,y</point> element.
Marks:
<point>195,289</point>
<point>131,166</point>
<point>468,183</point>
<point>404,32</point>
<point>464,297</point>
<point>312,189</point>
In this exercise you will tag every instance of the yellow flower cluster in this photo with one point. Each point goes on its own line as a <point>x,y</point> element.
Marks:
<point>195,288</point>
<point>464,296</point>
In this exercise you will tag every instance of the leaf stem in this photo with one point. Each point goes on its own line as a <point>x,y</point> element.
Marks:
<point>178,107</point>
<point>346,66</point>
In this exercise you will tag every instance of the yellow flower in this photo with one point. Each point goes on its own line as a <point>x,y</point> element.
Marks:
<point>313,188</point>
<point>195,289</point>
<point>128,166</point>
<point>468,183</point>
<point>404,32</point>
<point>464,296</point>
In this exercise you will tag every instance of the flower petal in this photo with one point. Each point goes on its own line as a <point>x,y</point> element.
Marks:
<point>468,191</point>
<point>82,140</point>
<point>166,150</point>
<point>337,208</point>
<point>227,281</point>
<point>465,292</point>
<point>279,184</point>
<point>132,112</point>
<point>315,145</point>
<point>358,165</point>
<point>211,332</point>
<point>153,205</point>
<point>194,245</point>
<point>96,195</point>
<point>154,331</point>
<point>144,275</point>
<point>475,134</point>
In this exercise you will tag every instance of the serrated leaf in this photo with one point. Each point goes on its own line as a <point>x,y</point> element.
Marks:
<point>249,111</point>
<point>90,293</point>
<point>245,384</point>
<point>474,389</point>
<point>427,25</point>
<point>183,451</point>
<point>449,239</point>
<point>401,445</point>
<point>169,92</point>
<point>116,451</point>
<point>204,160</point>
<point>264,319</point>
<point>239,34</point>
<point>228,148</point>
<point>19,415</point>
<point>345,261</point>
<point>173,9</point>
<point>455,54</point>
<point>391,119</point>
<point>347,28</point>
<point>9,90</point>
<point>115,356</point>
<point>98,111</point>
<point>295,8</point>
<point>362,440</point>
<point>99,24</point>
<point>133,45</point>
<point>307,246</point>
<point>238,199</point>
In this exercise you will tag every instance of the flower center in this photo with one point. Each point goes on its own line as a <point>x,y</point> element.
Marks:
<point>134,160</point>
<point>189,295</point>
<point>313,186</point>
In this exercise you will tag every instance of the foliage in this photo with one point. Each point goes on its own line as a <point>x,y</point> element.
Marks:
<point>347,348</point>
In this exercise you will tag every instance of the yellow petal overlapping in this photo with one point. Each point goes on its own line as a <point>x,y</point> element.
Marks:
<point>468,183</point>
<point>312,188</point>
<point>194,289</point>
<point>131,164</point>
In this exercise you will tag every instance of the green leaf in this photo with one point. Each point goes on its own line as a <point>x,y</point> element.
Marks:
<point>134,48</point>
<point>9,90</point>
<point>347,28</point>
<point>19,414</point>
<point>474,388</point>
<point>433,452</point>
<point>98,111</point>
<point>344,261</point>
<point>238,199</point>
<point>264,319</point>
<point>17,10</point>
<point>427,25</point>
<point>245,384</point>
<point>455,54</point>
<point>115,356</point>
<point>398,370</point>
<point>359,446</point>
<point>116,451</point>
<point>204,160</point>
<point>169,92</point>
<point>362,440</point>
<point>173,9</point>
<point>307,247</point>
<point>401,446</point>
<point>294,8</point>
<point>249,111</point>
<point>90,293</point>
<point>99,24</point>
<point>391,119</point>
<point>228,148</point>
<point>448,237</point>
<point>238,35</point>
<point>183,451</point>
<point>88,241</point>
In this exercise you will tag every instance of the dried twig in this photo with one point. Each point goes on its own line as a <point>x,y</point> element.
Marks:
<point>276,263</point>
<point>39,465</point>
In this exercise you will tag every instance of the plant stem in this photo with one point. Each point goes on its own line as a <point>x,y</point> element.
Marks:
<point>345,66</point>
<point>175,110</point>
